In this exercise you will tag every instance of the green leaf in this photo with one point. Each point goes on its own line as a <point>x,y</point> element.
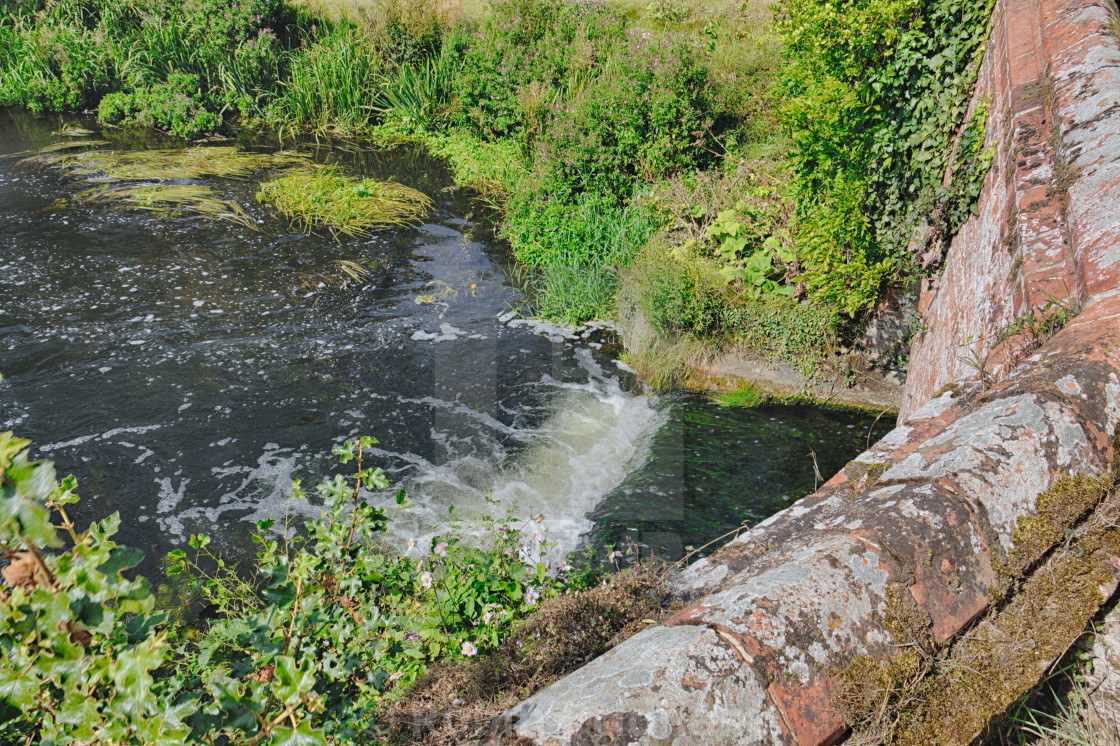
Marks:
<point>292,680</point>
<point>122,558</point>
<point>301,735</point>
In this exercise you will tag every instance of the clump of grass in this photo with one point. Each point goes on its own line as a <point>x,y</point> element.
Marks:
<point>172,200</point>
<point>344,204</point>
<point>1059,712</point>
<point>571,293</point>
<point>330,83</point>
<point>745,395</point>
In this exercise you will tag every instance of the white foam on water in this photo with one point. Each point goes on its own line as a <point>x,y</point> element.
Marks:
<point>594,437</point>
<point>263,492</point>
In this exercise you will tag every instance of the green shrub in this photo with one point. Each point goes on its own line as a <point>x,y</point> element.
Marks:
<point>197,37</point>
<point>524,55</point>
<point>52,66</point>
<point>687,296</point>
<point>305,649</point>
<point>79,645</point>
<point>174,107</point>
<point>644,118</point>
<point>251,75</point>
<point>72,52</point>
<point>677,296</point>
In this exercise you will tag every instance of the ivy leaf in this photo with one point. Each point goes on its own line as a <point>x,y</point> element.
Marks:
<point>130,672</point>
<point>19,691</point>
<point>301,735</point>
<point>291,680</point>
<point>122,558</point>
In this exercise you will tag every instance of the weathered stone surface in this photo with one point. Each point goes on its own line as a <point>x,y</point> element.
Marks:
<point>668,685</point>
<point>932,508</point>
<point>1103,680</point>
<point>1049,222</point>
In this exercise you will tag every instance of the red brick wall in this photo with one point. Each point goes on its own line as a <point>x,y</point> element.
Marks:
<point>1049,215</point>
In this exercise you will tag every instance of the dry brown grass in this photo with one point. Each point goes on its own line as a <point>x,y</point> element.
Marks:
<point>454,703</point>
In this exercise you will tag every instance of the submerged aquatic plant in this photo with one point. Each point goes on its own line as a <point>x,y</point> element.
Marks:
<point>172,200</point>
<point>341,273</point>
<point>321,196</point>
<point>153,179</point>
<point>83,160</point>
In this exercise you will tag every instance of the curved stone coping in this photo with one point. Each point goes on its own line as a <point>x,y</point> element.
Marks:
<point>771,618</point>
<point>774,615</point>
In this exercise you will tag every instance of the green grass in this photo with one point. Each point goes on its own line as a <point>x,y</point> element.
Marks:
<point>332,84</point>
<point>493,169</point>
<point>594,230</point>
<point>573,294</point>
<point>745,395</point>
<point>324,197</point>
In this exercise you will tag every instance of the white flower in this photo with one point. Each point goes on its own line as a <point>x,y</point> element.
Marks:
<point>487,616</point>
<point>426,579</point>
<point>395,676</point>
<point>469,649</point>
<point>563,567</point>
<point>441,549</point>
<point>531,595</point>
<point>411,545</point>
<point>616,555</point>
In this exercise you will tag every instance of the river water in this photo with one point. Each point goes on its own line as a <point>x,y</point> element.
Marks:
<point>187,369</point>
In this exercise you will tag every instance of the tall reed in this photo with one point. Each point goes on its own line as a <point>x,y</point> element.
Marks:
<point>332,83</point>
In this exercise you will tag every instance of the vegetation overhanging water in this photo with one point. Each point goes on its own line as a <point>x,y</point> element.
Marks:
<point>640,170</point>
<point>187,369</point>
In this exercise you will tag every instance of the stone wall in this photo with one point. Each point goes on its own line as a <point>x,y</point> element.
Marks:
<point>933,517</point>
<point>1049,222</point>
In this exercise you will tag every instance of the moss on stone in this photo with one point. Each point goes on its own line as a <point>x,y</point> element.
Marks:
<point>986,671</point>
<point>908,623</point>
<point>1050,589</point>
<point>874,474</point>
<point>1057,510</point>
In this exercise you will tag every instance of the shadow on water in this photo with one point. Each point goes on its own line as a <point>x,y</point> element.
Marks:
<point>186,370</point>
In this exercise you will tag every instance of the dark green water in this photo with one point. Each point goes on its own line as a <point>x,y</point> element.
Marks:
<point>185,374</point>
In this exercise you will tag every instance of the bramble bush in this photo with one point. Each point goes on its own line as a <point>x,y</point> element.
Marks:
<point>329,627</point>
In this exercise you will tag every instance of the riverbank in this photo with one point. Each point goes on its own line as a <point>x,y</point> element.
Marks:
<point>613,139</point>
